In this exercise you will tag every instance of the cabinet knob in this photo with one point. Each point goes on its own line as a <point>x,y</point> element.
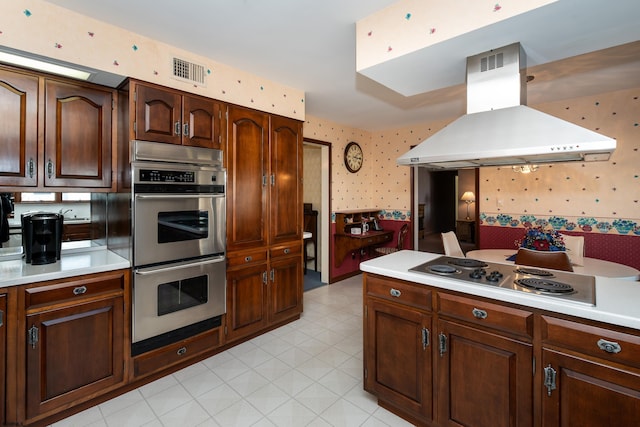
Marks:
<point>287,250</point>
<point>395,293</point>
<point>248,258</point>
<point>181,351</point>
<point>79,290</point>
<point>609,346</point>
<point>479,314</point>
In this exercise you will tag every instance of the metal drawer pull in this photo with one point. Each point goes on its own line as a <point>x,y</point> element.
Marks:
<point>49,169</point>
<point>287,250</point>
<point>549,379</point>
<point>248,258</point>
<point>79,290</point>
<point>395,293</point>
<point>479,314</point>
<point>176,128</point>
<point>609,346</point>
<point>181,351</point>
<point>31,168</point>
<point>1,317</point>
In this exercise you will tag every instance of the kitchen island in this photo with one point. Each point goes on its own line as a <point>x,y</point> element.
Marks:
<point>442,351</point>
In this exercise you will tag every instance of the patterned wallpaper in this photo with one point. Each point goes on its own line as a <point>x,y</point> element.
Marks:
<point>51,31</point>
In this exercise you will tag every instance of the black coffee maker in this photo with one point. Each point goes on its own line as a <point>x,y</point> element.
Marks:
<point>42,237</point>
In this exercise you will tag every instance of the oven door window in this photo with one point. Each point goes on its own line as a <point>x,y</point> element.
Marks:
<point>180,226</point>
<point>182,294</point>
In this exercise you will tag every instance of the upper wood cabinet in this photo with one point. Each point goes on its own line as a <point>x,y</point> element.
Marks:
<point>54,132</point>
<point>170,116</point>
<point>78,136</point>
<point>18,128</point>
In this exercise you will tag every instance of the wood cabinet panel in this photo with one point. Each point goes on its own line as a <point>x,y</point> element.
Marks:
<point>286,288</point>
<point>57,373</point>
<point>483,379</point>
<point>487,314</point>
<point>286,183</point>
<point>78,136</point>
<point>246,300</point>
<point>247,169</point>
<point>589,393</point>
<point>3,356</point>
<point>18,128</point>
<point>398,367</point>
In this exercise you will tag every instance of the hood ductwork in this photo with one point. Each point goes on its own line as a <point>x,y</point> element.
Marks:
<point>499,129</point>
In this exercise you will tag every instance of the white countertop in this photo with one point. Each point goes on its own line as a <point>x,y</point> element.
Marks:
<point>77,259</point>
<point>617,300</point>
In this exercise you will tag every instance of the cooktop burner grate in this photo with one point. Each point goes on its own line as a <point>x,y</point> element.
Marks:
<point>544,285</point>
<point>468,263</point>
<point>534,271</point>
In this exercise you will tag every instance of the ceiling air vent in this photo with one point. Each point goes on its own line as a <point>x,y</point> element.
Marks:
<point>189,72</point>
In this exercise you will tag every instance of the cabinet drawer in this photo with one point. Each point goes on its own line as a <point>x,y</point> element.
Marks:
<point>286,250</point>
<point>592,340</point>
<point>377,239</point>
<point>402,292</point>
<point>184,350</point>
<point>243,258</point>
<point>77,288</point>
<point>485,313</point>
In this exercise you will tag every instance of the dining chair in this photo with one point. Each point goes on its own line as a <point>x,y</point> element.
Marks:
<point>399,246</point>
<point>451,244</point>
<point>556,260</point>
<point>575,248</point>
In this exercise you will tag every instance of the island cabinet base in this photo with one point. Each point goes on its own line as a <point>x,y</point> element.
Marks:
<point>442,358</point>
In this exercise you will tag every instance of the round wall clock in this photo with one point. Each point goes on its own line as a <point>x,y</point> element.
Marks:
<point>353,157</point>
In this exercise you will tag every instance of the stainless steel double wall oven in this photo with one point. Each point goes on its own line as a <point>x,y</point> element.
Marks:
<point>179,217</point>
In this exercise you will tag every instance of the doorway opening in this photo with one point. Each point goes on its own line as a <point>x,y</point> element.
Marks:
<point>317,207</point>
<point>439,206</point>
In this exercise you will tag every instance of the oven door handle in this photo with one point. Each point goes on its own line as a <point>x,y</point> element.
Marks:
<point>155,270</point>
<point>177,196</point>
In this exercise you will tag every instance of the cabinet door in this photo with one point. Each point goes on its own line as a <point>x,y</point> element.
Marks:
<point>73,354</point>
<point>588,393</point>
<point>285,288</point>
<point>246,300</point>
<point>158,114</point>
<point>285,199</point>
<point>77,136</point>
<point>202,119</point>
<point>483,379</point>
<point>3,355</point>
<point>398,356</point>
<point>247,169</point>
<point>18,129</point>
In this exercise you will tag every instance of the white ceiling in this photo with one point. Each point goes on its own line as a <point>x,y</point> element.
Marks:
<point>310,45</point>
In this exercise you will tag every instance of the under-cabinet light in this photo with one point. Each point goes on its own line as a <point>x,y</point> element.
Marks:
<point>43,66</point>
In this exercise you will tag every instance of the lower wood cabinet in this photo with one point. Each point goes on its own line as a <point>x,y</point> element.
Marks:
<point>74,340</point>
<point>483,379</point>
<point>398,356</point>
<point>263,289</point>
<point>441,358</point>
<point>3,356</point>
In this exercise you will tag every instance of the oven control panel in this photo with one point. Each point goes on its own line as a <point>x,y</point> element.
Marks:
<point>155,175</point>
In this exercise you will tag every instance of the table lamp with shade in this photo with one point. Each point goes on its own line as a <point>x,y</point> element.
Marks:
<point>468,197</point>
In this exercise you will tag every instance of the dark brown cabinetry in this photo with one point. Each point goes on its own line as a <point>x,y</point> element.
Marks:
<point>170,116</point>
<point>73,232</point>
<point>74,340</point>
<point>346,241</point>
<point>3,355</point>
<point>18,128</point>
<point>397,342</point>
<point>590,375</point>
<point>262,293</point>
<point>264,221</point>
<point>78,136</point>
<point>74,121</point>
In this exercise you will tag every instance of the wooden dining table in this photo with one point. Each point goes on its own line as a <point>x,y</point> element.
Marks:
<point>589,266</point>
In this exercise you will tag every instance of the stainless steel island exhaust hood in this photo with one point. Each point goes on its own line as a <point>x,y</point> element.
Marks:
<point>499,129</point>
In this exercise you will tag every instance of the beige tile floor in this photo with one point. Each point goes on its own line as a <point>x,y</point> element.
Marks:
<point>306,373</point>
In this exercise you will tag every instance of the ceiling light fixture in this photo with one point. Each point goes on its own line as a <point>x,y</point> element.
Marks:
<point>525,168</point>
<point>40,65</point>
